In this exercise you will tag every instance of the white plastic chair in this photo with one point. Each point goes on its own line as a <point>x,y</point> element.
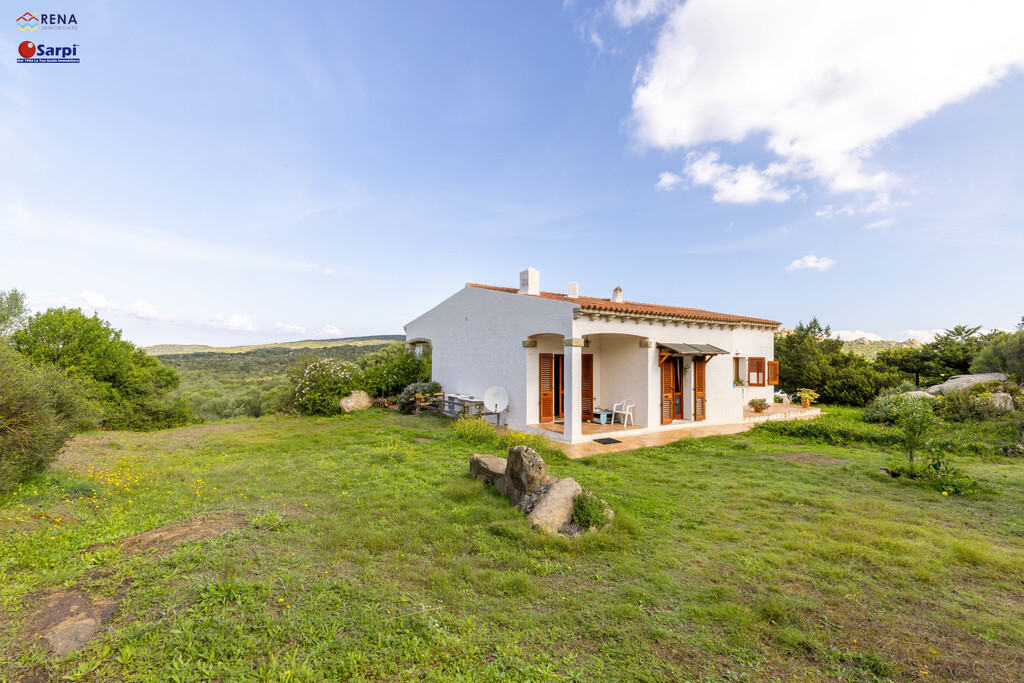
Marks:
<point>625,409</point>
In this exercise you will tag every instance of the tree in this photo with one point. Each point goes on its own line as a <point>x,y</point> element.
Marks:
<point>916,420</point>
<point>906,360</point>
<point>13,311</point>
<point>133,386</point>
<point>809,357</point>
<point>951,353</point>
<point>1004,354</point>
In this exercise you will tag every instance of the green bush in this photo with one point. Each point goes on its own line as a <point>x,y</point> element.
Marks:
<point>885,405</point>
<point>323,384</point>
<point>939,475</point>
<point>916,421</point>
<point>407,399</point>
<point>832,430</point>
<point>975,403</point>
<point>587,510</point>
<point>40,408</point>
<point>388,371</point>
<point>133,387</point>
<point>474,430</point>
<point>514,437</point>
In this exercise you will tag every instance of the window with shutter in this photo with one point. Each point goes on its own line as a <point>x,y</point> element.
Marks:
<point>773,372</point>
<point>755,372</point>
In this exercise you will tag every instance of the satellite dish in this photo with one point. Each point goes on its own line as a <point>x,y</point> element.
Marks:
<point>495,399</point>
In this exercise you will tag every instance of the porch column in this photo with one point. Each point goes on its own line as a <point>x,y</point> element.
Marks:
<point>573,383</point>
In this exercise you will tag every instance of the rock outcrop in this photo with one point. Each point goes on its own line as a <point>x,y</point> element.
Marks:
<point>357,400</point>
<point>523,478</point>
<point>961,382</point>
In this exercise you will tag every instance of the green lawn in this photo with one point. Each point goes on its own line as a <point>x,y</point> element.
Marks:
<point>359,549</point>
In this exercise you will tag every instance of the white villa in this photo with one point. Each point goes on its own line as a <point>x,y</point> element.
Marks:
<point>565,360</point>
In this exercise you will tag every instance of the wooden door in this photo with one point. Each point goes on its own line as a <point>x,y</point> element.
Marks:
<point>587,382</point>
<point>699,388</point>
<point>677,388</point>
<point>667,389</point>
<point>547,387</point>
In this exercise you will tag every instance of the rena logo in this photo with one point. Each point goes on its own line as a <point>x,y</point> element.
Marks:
<point>28,22</point>
<point>27,49</point>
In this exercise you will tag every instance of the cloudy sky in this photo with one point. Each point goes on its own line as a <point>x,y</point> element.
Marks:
<point>229,173</point>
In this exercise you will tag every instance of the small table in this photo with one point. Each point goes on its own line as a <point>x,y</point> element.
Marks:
<point>602,416</point>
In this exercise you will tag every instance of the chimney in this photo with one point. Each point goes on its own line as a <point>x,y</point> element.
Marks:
<point>617,295</point>
<point>574,290</point>
<point>529,282</point>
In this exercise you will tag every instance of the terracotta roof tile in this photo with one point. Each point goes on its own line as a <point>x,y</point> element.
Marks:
<point>589,303</point>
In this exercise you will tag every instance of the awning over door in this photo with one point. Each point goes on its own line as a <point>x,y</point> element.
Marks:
<point>693,349</point>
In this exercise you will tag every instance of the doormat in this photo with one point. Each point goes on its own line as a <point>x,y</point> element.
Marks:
<point>606,440</point>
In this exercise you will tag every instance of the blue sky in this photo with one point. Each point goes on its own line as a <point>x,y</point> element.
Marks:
<point>229,173</point>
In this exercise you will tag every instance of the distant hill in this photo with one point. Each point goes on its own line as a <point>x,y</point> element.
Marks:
<point>179,349</point>
<point>865,347</point>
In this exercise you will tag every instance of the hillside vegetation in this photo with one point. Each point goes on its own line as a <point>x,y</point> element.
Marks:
<point>312,549</point>
<point>180,349</point>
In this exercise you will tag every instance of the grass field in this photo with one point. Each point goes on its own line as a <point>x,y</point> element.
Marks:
<point>179,349</point>
<point>304,549</point>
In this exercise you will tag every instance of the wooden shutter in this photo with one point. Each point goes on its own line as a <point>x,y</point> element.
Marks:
<point>587,382</point>
<point>773,372</point>
<point>547,387</point>
<point>667,386</point>
<point>699,389</point>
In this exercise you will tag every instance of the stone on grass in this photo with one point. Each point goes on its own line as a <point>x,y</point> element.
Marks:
<point>488,469</point>
<point>525,472</point>
<point>357,400</point>
<point>1002,402</point>
<point>555,508</point>
<point>918,394</point>
<point>960,382</point>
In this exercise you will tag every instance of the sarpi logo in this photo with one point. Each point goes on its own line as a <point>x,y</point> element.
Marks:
<point>32,53</point>
<point>28,22</point>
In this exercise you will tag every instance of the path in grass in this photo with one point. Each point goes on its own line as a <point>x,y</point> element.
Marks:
<point>361,550</point>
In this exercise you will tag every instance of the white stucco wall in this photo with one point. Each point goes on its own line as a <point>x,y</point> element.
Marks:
<point>724,401</point>
<point>477,340</point>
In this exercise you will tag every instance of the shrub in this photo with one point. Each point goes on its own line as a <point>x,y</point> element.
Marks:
<point>885,406</point>
<point>516,438</point>
<point>915,420</point>
<point>758,404</point>
<point>40,408</point>
<point>323,384</point>
<point>939,475</point>
<point>407,399</point>
<point>474,430</point>
<point>386,372</point>
<point>133,387</point>
<point>974,404</point>
<point>587,510</point>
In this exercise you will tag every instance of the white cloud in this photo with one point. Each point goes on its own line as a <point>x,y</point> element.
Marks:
<point>139,308</point>
<point>825,83</point>
<point>828,213</point>
<point>884,223</point>
<point>595,40</point>
<point>144,310</point>
<point>290,329</point>
<point>328,271</point>
<point>743,184</point>
<point>812,262</point>
<point>330,332</point>
<point>237,322</point>
<point>669,181</point>
<point>850,335</point>
<point>630,12</point>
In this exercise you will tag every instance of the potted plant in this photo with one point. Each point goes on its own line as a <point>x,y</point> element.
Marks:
<point>739,383</point>
<point>807,397</point>
<point>758,404</point>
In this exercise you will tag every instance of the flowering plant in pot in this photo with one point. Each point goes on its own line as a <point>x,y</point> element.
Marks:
<point>758,404</point>
<point>807,396</point>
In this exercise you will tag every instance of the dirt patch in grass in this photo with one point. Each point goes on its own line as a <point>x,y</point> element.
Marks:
<point>163,539</point>
<point>808,457</point>
<point>66,620</point>
<point>84,449</point>
<point>423,439</point>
